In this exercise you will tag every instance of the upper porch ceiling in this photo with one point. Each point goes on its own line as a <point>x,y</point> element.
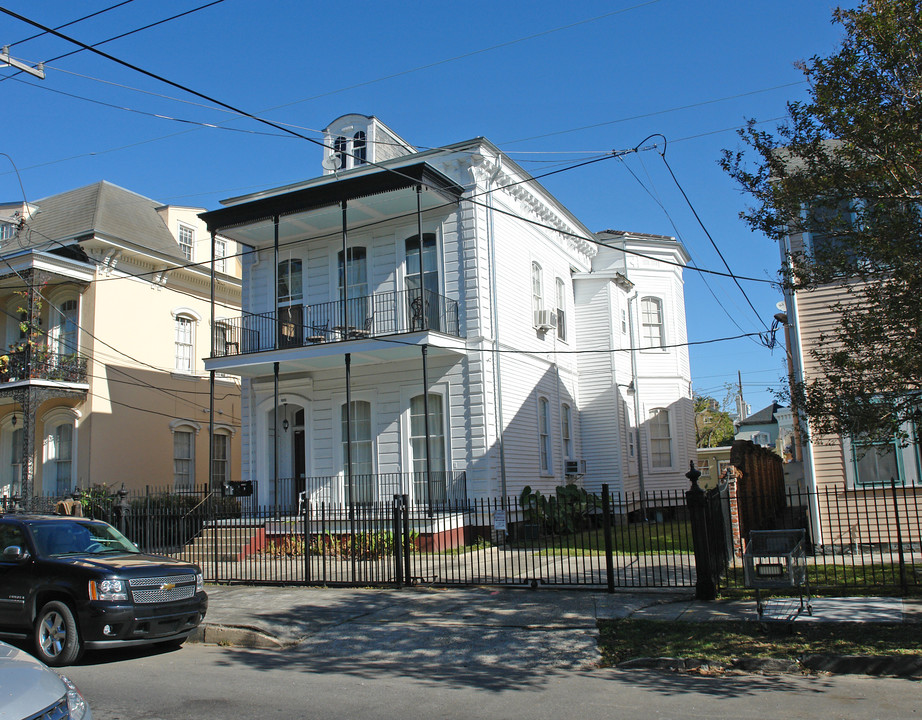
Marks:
<point>316,210</point>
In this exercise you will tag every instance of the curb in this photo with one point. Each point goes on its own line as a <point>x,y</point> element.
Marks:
<point>906,666</point>
<point>235,635</point>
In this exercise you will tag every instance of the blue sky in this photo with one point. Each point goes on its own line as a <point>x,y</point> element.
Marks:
<point>551,83</point>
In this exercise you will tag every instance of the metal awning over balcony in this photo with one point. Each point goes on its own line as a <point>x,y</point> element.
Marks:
<point>316,208</point>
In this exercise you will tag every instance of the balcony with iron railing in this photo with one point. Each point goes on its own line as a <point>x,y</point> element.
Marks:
<point>360,318</point>
<point>37,363</point>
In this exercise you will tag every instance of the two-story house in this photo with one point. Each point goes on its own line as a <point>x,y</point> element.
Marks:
<point>840,469</point>
<point>104,312</point>
<point>436,323</point>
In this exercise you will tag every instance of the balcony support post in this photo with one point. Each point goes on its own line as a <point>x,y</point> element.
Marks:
<point>211,374</point>
<point>275,435</point>
<point>344,320</point>
<point>425,349</point>
<point>275,285</point>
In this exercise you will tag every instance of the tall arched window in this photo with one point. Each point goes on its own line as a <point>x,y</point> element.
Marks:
<point>59,468</point>
<point>565,431</point>
<point>184,331</point>
<point>339,152</point>
<point>537,288</point>
<point>362,452</point>
<point>422,282</point>
<point>436,447</point>
<point>544,434</point>
<point>653,333</point>
<point>358,310</point>
<point>561,309</point>
<point>64,329</point>
<point>660,438</point>
<point>183,455</point>
<point>291,293</point>
<point>359,149</point>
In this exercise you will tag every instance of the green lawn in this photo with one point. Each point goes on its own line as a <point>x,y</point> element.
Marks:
<point>720,642</point>
<point>627,539</point>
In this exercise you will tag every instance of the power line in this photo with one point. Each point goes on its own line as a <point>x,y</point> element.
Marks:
<point>54,31</point>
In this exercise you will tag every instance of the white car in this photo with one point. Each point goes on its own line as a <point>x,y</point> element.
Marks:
<point>29,689</point>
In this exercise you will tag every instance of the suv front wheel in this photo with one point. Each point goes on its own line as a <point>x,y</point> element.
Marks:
<point>57,640</point>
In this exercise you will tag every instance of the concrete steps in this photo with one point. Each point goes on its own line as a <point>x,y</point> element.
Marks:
<point>219,544</point>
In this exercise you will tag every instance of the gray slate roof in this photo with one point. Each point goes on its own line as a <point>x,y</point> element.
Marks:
<point>765,416</point>
<point>104,210</point>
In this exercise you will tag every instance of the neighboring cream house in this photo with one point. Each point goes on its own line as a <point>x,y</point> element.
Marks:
<point>835,464</point>
<point>105,302</point>
<point>436,323</point>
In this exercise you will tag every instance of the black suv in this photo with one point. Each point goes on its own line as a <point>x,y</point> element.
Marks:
<point>75,583</point>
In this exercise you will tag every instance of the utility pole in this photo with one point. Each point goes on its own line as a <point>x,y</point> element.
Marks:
<point>7,61</point>
<point>741,404</point>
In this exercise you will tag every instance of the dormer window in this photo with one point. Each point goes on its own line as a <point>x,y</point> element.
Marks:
<point>339,152</point>
<point>359,149</point>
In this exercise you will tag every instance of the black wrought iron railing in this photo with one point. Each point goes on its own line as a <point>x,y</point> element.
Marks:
<point>436,488</point>
<point>40,364</point>
<point>388,313</point>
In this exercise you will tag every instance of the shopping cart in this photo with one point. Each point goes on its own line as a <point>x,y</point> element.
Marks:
<point>777,559</point>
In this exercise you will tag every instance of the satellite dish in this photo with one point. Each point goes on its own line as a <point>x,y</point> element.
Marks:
<point>781,306</point>
<point>330,162</point>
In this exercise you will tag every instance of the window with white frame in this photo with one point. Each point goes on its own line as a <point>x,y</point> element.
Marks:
<point>362,449</point>
<point>64,328</point>
<point>537,288</point>
<point>59,435</point>
<point>875,464</point>
<point>184,331</point>
<point>437,460</point>
<point>13,486</point>
<point>290,281</point>
<point>359,148</point>
<point>651,322</point>
<point>183,458</point>
<point>705,468</point>
<point>565,431</point>
<point>544,434</point>
<point>220,254</point>
<point>623,322</point>
<point>340,145</point>
<point>561,310</point>
<point>7,231</point>
<point>660,439</point>
<point>187,241</point>
<point>220,464</point>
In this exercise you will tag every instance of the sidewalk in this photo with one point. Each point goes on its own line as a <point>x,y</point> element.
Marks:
<point>484,624</point>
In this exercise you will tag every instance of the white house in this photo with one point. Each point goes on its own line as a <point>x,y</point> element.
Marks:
<point>480,333</point>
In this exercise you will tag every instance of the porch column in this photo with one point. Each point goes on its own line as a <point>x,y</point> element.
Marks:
<point>275,435</point>
<point>275,285</point>
<point>211,374</point>
<point>425,349</point>
<point>344,320</point>
<point>27,478</point>
<point>349,497</point>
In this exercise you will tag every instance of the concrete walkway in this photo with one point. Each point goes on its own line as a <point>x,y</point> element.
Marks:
<point>484,625</point>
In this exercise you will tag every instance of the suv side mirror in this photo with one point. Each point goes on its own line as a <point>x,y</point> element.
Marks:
<point>14,553</point>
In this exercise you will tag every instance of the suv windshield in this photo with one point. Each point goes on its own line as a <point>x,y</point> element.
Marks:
<point>54,539</point>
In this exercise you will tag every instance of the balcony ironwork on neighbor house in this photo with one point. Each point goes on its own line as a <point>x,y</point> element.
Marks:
<point>39,364</point>
<point>378,315</point>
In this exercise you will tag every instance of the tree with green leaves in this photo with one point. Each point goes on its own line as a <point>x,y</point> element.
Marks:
<point>846,169</point>
<point>713,424</point>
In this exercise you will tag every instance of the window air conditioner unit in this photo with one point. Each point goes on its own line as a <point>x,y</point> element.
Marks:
<point>545,319</point>
<point>576,467</point>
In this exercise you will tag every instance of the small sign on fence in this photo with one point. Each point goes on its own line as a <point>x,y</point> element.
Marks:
<point>499,520</point>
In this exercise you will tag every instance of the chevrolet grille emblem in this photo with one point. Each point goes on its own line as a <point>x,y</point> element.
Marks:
<point>167,586</point>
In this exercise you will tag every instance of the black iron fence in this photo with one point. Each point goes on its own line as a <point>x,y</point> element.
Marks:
<point>857,540</point>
